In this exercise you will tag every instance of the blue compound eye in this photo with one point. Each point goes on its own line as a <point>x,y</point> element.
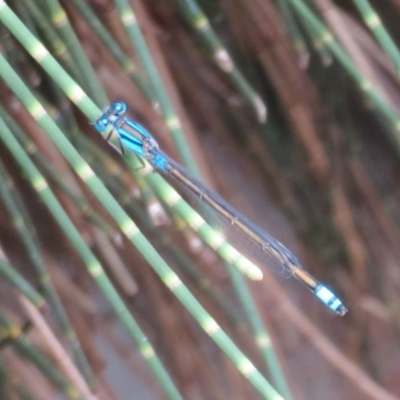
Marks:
<point>119,107</point>
<point>101,124</point>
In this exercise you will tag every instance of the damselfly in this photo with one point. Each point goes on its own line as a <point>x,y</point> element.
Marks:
<point>266,250</point>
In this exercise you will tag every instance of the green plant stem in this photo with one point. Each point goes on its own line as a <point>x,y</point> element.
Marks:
<point>21,284</point>
<point>92,264</point>
<point>80,202</point>
<point>371,18</point>
<point>28,351</point>
<point>90,150</point>
<point>132,232</point>
<point>114,48</point>
<point>262,337</point>
<point>385,109</point>
<point>24,227</point>
<point>10,386</point>
<point>127,225</point>
<point>171,118</point>
<point>89,79</point>
<point>294,32</point>
<point>200,23</point>
<point>56,44</point>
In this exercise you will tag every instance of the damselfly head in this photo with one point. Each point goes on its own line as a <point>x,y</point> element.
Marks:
<point>102,123</point>
<point>112,114</point>
<point>118,108</point>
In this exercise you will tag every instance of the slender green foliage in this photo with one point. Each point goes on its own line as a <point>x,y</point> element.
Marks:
<point>92,264</point>
<point>86,73</point>
<point>26,231</point>
<point>200,23</point>
<point>385,109</point>
<point>171,118</point>
<point>371,18</point>
<point>27,350</point>
<point>21,284</point>
<point>130,229</point>
<point>114,48</point>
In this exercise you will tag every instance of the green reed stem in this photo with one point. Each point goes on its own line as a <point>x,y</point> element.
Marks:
<point>385,109</point>
<point>171,118</point>
<point>372,20</point>
<point>48,62</point>
<point>88,76</point>
<point>20,283</point>
<point>127,225</point>
<point>154,212</point>
<point>24,348</point>
<point>132,232</point>
<point>11,387</point>
<point>26,231</point>
<point>294,32</point>
<point>262,337</point>
<point>90,150</point>
<point>92,264</point>
<point>114,48</point>
<point>80,202</point>
<point>181,260</point>
<point>200,23</point>
<point>24,393</point>
<point>56,44</point>
<point>195,221</point>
